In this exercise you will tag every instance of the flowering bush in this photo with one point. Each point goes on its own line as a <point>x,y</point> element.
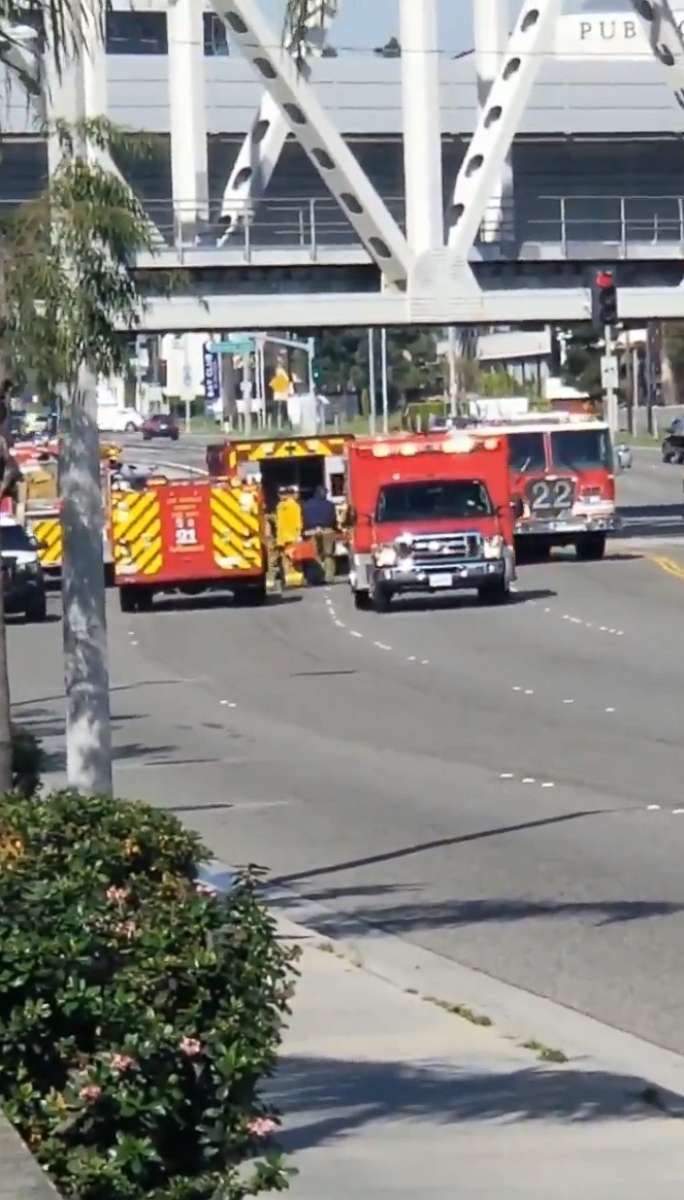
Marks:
<point>139,1011</point>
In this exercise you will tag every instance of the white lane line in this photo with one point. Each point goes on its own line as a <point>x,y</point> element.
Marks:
<point>411,658</point>
<point>547,610</point>
<point>548,783</point>
<point>340,624</point>
<point>232,704</point>
<point>610,710</point>
<point>529,691</point>
<point>517,688</point>
<point>619,633</point>
<point>425,662</point>
<point>506,775</point>
<point>568,701</point>
<point>603,628</point>
<point>382,646</point>
<point>355,633</point>
<point>223,703</point>
<point>529,779</point>
<point>653,808</point>
<point>676,811</point>
<point>134,643</point>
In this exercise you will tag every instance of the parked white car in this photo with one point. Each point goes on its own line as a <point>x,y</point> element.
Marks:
<point>111,419</point>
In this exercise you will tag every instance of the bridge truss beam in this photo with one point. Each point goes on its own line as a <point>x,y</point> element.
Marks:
<point>260,152</point>
<point>306,118</point>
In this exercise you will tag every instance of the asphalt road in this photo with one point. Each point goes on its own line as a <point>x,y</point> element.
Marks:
<point>503,786</point>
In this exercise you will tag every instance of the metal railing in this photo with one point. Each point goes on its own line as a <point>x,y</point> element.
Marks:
<point>309,225</point>
<point>303,223</point>
<point>619,221</point>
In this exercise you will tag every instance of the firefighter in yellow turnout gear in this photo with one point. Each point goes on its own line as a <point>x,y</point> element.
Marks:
<point>288,531</point>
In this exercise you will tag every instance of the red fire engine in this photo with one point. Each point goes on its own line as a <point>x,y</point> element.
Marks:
<point>188,536</point>
<point>428,514</point>
<point>562,471</point>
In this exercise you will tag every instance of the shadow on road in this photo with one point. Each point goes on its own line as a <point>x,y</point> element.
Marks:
<point>437,844</point>
<point>456,600</point>
<point>365,907</point>
<point>328,1098</point>
<point>218,600</point>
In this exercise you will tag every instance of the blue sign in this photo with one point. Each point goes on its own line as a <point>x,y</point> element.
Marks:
<point>212,373</point>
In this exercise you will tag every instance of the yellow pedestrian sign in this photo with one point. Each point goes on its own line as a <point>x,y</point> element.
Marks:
<point>281,384</point>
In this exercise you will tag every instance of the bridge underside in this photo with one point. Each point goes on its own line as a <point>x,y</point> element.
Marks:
<point>441,291</point>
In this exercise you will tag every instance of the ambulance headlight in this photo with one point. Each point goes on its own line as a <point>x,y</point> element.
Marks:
<point>386,556</point>
<point>404,545</point>
<point>493,546</point>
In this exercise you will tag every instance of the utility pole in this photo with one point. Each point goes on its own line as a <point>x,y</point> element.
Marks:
<point>371,382</point>
<point>385,387</point>
<point>453,381</point>
<point>86,672</point>
<point>609,380</point>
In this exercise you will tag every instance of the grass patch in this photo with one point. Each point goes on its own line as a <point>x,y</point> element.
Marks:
<point>545,1053</point>
<point>460,1010</point>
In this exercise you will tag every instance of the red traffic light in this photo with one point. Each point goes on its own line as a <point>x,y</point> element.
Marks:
<point>605,279</point>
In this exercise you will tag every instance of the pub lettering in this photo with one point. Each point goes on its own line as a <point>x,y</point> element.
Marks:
<point>608,30</point>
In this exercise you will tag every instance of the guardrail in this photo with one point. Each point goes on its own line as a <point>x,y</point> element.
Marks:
<point>620,221</point>
<point>308,225</point>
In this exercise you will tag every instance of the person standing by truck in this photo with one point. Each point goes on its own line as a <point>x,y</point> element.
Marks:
<point>320,523</point>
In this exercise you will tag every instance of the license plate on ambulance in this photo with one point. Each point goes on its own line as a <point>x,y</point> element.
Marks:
<point>440,581</point>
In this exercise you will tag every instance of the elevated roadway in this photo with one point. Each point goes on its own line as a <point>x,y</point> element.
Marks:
<point>503,786</point>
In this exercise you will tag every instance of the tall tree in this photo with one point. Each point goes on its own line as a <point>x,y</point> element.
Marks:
<point>70,294</point>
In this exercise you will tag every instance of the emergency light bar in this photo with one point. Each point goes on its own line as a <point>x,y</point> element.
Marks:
<point>462,444</point>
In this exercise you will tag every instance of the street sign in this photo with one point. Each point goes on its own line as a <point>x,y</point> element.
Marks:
<point>212,373</point>
<point>281,384</point>
<point>236,345</point>
<point>609,372</point>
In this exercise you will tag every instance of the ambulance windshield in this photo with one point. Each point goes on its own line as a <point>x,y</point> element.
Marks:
<point>433,499</point>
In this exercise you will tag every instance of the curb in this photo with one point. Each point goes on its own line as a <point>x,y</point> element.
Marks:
<point>517,1014</point>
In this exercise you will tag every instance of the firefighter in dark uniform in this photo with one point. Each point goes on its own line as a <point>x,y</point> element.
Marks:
<point>320,523</point>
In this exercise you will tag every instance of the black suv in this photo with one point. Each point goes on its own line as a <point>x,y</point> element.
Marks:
<point>22,575</point>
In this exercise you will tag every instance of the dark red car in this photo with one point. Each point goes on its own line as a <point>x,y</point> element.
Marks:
<point>160,425</point>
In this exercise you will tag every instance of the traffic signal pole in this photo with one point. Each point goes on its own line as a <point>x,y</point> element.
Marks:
<point>609,373</point>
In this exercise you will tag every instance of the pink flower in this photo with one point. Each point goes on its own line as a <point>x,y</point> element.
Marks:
<point>90,1093</point>
<point>190,1047</point>
<point>122,1063</point>
<point>260,1127</point>
<point>126,929</point>
<point>117,895</point>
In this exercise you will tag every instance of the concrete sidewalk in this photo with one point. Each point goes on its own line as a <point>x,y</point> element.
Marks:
<point>386,1094</point>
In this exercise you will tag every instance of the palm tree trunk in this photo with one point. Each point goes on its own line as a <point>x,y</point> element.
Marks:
<point>5,711</point>
<point>86,673</point>
<point>5,704</point>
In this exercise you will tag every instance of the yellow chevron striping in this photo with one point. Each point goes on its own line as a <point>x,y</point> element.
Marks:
<point>295,448</point>
<point>145,538</point>
<point>49,533</point>
<point>228,545</point>
<point>150,561</point>
<point>135,516</point>
<point>154,566</point>
<point>230,512</point>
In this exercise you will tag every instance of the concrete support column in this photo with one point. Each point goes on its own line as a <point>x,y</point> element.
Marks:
<point>491,31</point>
<point>189,166</point>
<point>420,73</point>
